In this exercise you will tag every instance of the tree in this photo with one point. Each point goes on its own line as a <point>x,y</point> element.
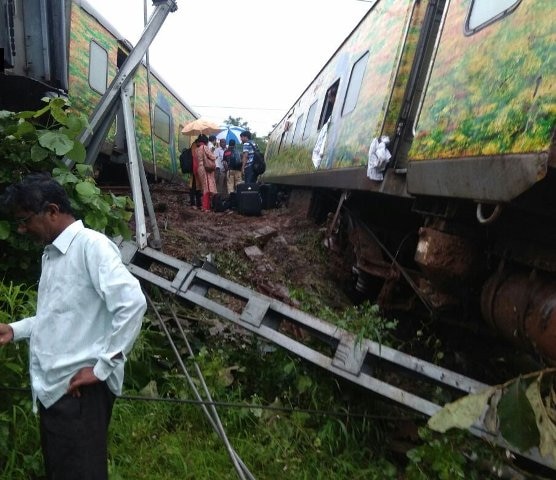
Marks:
<point>37,141</point>
<point>236,122</point>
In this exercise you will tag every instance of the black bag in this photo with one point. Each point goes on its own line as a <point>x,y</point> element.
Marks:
<point>232,159</point>
<point>259,165</point>
<point>249,203</point>
<point>243,186</point>
<point>220,203</point>
<point>186,161</point>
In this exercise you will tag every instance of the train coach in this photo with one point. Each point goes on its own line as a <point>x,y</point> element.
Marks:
<point>66,48</point>
<point>427,141</point>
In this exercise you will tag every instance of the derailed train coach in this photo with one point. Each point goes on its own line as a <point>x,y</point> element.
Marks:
<point>66,48</point>
<point>428,143</point>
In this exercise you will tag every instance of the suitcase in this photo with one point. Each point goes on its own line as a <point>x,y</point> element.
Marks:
<point>219,203</point>
<point>249,203</point>
<point>232,201</point>
<point>242,187</point>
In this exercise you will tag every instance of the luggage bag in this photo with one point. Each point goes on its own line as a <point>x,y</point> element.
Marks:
<point>249,203</point>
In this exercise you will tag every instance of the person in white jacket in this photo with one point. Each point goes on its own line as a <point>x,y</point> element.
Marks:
<point>89,313</point>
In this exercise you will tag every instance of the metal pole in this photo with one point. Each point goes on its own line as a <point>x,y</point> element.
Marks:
<point>149,96</point>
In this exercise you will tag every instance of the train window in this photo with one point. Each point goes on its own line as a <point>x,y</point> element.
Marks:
<point>297,131</point>
<point>329,101</point>
<point>309,122</point>
<point>161,124</point>
<point>484,12</point>
<point>354,86</point>
<point>98,68</point>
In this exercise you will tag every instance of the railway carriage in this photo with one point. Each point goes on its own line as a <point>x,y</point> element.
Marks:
<point>428,143</point>
<point>67,48</point>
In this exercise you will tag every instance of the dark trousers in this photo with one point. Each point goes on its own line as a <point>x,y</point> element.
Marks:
<point>74,434</point>
<point>249,176</point>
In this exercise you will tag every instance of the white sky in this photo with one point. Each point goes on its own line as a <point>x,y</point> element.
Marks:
<point>245,58</point>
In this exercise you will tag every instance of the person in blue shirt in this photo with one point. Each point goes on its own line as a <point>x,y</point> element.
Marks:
<point>249,176</point>
<point>89,313</point>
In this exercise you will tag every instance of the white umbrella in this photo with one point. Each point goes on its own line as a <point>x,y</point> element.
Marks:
<point>230,132</point>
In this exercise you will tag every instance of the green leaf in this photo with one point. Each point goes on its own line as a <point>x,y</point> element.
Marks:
<point>42,111</point>
<point>58,113</point>
<point>517,418</point>
<point>119,202</point>
<point>84,170</point>
<point>26,114</point>
<point>76,124</point>
<point>26,128</point>
<point>462,413</point>
<point>64,176</point>
<point>77,153</point>
<point>545,425</point>
<point>38,154</point>
<point>55,141</point>
<point>303,383</point>
<point>96,220</point>
<point>4,229</point>
<point>87,190</point>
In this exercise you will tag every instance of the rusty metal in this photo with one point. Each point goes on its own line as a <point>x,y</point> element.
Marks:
<point>368,253</point>
<point>447,260</point>
<point>522,308</point>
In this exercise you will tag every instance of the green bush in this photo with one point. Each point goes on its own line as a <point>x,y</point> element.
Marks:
<point>38,141</point>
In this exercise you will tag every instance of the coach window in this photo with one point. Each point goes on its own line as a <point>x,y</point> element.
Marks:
<point>484,12</point>
<point>98,68</point>
<point>329,101</point>
<point>354,86</point>
<point>297,132</point>
<point>161,124</point>
<point>309,122</point>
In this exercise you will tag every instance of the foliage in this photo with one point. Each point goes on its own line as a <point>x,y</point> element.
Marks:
<point>20,445</point>
<point>34,141</point>
<point>365,321</point>
<point>446,457</point>
<point>236,122</point>
<point>522,409</point>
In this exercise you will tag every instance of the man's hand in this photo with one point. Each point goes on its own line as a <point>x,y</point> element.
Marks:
<point>85,376</point>
<point>6,334</point>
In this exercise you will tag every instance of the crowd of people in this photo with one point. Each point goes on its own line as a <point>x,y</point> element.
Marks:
<point>218,168</point>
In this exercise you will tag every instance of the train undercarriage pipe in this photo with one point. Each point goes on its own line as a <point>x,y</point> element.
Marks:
<point>522,308</point>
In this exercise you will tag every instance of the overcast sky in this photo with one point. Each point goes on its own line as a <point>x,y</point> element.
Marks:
<point>245,58</point>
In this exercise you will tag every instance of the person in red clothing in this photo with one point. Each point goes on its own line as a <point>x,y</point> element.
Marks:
<point>206,165</point>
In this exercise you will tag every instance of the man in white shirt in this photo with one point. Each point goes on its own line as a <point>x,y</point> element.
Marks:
<point>221,170</point>
<point>89,313</point>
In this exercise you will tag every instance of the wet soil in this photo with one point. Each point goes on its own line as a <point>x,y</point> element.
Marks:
<point>275,253</point>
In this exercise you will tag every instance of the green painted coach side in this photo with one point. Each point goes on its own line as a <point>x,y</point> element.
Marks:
<point>85,28</point>
<point>489,94</point>
<point>492,92</point>
<point>382,33</point>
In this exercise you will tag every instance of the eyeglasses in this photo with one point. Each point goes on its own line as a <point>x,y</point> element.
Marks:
<point>22,222</point>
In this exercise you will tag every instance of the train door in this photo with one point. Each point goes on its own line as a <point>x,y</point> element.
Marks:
<point>417,79</point>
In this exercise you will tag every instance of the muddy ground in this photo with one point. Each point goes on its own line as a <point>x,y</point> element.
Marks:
<point>274,253</point>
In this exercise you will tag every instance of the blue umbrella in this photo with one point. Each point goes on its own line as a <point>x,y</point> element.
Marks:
<point>230,132</point>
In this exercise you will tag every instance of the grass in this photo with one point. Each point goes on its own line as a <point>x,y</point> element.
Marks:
<point>313,438</point>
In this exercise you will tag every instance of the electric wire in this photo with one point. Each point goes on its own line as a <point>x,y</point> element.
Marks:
<point>209,410</point>
<point>253,406</point>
